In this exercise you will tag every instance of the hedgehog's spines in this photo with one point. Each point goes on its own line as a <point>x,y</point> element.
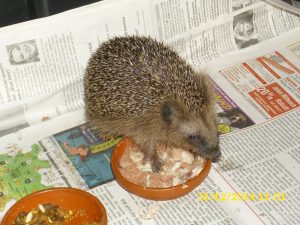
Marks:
<point>148,73</point>
<point>127,82</point>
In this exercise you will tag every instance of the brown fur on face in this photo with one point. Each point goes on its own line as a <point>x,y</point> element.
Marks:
<point>138,87</point>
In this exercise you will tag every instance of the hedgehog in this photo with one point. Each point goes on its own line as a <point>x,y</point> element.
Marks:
<point>136,86</point>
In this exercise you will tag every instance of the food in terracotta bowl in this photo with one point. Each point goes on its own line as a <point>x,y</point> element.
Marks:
<point>181,171</point>
<point>57,206</point>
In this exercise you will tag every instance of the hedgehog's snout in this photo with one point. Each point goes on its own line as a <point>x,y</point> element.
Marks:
<point>205,149</point>
<point>216,155</point>
<point>213,153</point>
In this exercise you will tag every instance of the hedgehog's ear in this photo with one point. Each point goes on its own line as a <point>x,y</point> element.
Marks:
<point>170,112</point>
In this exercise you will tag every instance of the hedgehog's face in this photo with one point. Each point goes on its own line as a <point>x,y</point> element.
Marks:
<point>198,133</point>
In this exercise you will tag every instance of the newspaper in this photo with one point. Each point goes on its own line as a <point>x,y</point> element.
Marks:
<point>251,50</point>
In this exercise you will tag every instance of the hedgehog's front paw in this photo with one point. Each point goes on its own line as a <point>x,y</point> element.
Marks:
<point>156,165</point>
<point>107,137</point>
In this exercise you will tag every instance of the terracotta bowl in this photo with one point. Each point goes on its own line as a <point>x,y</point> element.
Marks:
<point>153,193</point>
<point>66,198</point>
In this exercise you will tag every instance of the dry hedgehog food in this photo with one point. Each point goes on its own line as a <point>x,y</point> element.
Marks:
<point>49,214</point>
<point>178,167</point>
<point>44,214</point>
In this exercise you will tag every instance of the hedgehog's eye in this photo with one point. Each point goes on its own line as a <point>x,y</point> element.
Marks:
<point>194,137</point>
<point>170,111</point>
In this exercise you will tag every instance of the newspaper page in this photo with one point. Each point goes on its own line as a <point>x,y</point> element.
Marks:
<point>67,152</point>
<point>42,69</point>
<point>201,37</point>
<point>265,79</point>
